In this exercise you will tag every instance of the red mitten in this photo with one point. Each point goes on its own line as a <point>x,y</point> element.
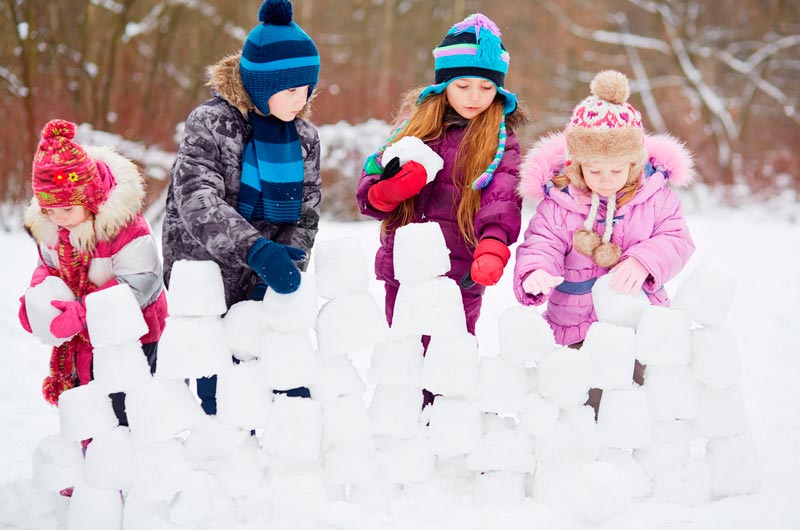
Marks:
<point>387,194</point>
<point>71,321</point>
<point>23,315</point>
<point>489,259</point>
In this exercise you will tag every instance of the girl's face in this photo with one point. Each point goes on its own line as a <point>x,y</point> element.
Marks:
<point>469,96</point>
<point>605,178</point>
<point>68,217</point>
<point>287,104</point>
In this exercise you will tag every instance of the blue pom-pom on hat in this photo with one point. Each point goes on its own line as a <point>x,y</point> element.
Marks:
<point>276,12</point>
<point>277,55</point>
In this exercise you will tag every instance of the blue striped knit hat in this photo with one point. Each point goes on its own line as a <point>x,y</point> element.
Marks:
<point>472,48</point>
<point>277,55</point>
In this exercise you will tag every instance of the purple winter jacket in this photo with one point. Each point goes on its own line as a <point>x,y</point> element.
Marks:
<point>499,215</point>
<point>650,228</point>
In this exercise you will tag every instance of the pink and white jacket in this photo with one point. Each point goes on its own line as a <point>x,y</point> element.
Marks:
<point>650,228</point>
<point>119,240</point>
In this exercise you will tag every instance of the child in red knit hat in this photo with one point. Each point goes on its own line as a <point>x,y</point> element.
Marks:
<point>86,219</point>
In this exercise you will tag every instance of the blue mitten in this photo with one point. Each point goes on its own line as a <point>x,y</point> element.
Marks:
<point>273,262</point>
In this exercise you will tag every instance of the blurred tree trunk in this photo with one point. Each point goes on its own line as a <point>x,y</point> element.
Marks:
<point>387,65</point>
<point>719,74</point>
<point>20,142</point>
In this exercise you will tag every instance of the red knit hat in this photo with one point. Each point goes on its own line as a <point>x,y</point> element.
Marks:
<point>63,174</point>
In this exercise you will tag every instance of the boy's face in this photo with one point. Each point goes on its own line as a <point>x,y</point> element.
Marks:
<point>469,96</point>
<point>68,217</point>
<point>287,104</point>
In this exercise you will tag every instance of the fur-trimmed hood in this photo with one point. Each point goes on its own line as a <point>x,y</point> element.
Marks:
<point>545,159</point>
<point>226,82</point>
<point>124,202</point>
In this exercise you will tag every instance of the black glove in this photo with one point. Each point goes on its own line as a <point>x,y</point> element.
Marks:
<point>390,169</point>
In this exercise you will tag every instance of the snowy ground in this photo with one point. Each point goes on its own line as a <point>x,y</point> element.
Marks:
<point>759,250</point>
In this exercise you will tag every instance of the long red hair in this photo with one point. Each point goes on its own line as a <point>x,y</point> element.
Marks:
<point>429,121</point>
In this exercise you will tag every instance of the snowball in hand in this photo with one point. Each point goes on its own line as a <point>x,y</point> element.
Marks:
<point>41,313</point>
<point>412,148</point>
<point>616,308</point>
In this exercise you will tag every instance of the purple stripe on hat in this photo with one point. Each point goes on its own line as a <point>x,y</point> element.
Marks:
<point>446,52</point>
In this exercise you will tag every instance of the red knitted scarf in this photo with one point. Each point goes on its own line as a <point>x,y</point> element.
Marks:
<point>74,270</point>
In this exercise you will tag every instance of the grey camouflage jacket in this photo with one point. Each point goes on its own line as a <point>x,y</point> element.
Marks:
<point>201,220</point>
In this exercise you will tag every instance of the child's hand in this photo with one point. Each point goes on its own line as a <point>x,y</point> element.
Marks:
<point>409,180</point>
<point>540,282</point>
<point>71,321</point>
<point>273,262</point>
<point>489,259</point>
<point>628,276</point>
<point>413,148</point>
<point>23,315</point>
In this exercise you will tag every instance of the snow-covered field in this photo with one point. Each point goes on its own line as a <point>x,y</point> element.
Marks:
<point>759,250</point>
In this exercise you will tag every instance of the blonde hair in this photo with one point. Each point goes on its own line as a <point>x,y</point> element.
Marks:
<point>428,120</point>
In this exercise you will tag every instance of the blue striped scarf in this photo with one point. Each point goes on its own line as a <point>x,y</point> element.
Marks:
<point>272,172</point>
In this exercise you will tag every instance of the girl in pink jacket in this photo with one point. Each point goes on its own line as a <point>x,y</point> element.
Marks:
<point>86,219</point>
<point>603,205</point>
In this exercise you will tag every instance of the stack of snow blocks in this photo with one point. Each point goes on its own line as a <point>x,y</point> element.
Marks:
<point>721,420</point>
<point>451,448</point>
<point>163,412</point>
<point>116,461</point>
<point>681,437</point>
<point>349,323</point>
<point>310,450</point>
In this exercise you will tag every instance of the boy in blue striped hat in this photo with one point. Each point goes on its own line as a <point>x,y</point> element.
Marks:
<point>245,189</point>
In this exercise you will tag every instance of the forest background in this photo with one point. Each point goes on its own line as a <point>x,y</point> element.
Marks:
<point>721,75</point>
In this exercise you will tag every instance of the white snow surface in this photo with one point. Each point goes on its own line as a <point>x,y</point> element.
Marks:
<point>762,319</point>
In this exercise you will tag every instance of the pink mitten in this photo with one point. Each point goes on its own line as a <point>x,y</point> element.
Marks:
<point>23,315</point>
<point>71,321</point>
<point>628,276</point>
<point>540,282</point>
